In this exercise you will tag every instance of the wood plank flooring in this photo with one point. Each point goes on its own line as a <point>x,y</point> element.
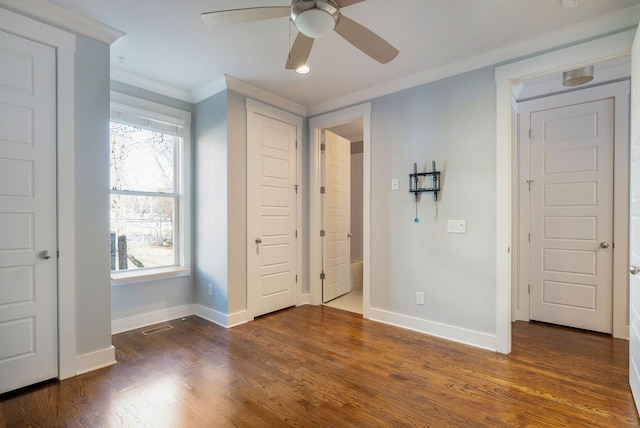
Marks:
<point>319,366</point>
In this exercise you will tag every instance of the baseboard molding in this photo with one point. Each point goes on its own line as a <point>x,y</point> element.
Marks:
<point>304,299</point>
<point>219,318</point>
<point>443,331</point>
<point>142,320</point>
<point>95,360</point>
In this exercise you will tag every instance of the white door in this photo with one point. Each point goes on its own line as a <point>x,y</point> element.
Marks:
<point>28,265</point>
<point>271,214</point>
<point>337,266</point>
<point>634,237</point>
<point>571,218</point>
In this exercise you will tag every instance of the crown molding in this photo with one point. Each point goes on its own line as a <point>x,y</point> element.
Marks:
<point>55,14</point>
<point>607,24</point>
<point>142,82</point>
<point>209,89</point>
<point>264,96</point>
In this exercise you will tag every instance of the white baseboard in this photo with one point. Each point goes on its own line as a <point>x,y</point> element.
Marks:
<point>304,299</point>
<point>142,320</point>
<point>95,360</point>
<point>444,331</point>
<point>219,318</point>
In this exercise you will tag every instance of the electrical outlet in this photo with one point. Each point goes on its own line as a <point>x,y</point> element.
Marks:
<point>395,184</point>
<point>210,289</point>
<point>420,298</point>
<point>457,226</point>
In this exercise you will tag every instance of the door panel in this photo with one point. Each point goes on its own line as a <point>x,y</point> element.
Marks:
<point>28,283</point>
<point>634,236</point>
<point>271,214</point>
<point>338,217</point>
<point>571,215</point>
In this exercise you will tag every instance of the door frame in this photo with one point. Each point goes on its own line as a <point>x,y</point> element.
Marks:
<point>316,125</point>
<point>606,48</point>
<point>256,107</point>
<point>619,91</point>
<point>65,45</point>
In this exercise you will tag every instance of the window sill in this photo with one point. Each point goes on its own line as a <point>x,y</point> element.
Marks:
<point>137,276</point>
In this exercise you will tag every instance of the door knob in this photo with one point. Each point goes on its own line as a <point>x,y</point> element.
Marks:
<point>44,255</point>
<point>258,241</point>
<point>604,245</point>
<point>634,269</point>
<point>349,235</point>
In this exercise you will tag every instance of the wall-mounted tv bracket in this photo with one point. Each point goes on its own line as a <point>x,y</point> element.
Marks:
<point>424,182</point>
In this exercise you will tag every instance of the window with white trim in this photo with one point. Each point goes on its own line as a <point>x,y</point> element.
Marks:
<point>149,181</point>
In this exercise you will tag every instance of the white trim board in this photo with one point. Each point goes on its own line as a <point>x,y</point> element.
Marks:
<point>316,125</point>
<point>95,360</point>
<point>56,14</point>
<point>443,331</point>
<point>615,46</point>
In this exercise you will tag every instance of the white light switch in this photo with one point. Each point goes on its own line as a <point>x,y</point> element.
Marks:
<point>394,184</point>
<point>457,226</point>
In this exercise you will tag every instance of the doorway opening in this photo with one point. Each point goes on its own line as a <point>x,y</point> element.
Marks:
<point>351,300</point>
<point>353,124</point>
<point>507,77</point>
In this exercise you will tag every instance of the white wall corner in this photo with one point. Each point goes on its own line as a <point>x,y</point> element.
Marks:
<point>444,331</point>
<point>304,299</point>
<point>95,360</point>
<point>217,317</point>
<point>56,14</point>
<point>121,325</point>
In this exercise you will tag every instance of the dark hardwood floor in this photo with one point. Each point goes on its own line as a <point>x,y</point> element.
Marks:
<point>318,366</point>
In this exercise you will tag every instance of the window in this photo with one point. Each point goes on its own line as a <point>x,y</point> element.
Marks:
<point>149,170</point>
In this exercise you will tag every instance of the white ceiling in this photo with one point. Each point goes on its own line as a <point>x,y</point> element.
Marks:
<point>166,42</point>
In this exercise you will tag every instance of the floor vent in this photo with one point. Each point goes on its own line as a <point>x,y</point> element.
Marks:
<point>157,329</point>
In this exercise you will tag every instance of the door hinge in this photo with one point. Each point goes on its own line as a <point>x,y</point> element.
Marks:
<point>295,186</point>
<point>296,279</point>
<point>321,275</point>
<point>296,234</point>
<point>296,144</point>
<point>529,238</point>
<point>529,183</point>
<point>57,254</point>
<point>323,189</point>
<point>322,232</point>
<point>529,288</point>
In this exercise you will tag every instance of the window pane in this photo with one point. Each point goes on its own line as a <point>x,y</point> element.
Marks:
<point>141,232</point>
<point>142,160</point>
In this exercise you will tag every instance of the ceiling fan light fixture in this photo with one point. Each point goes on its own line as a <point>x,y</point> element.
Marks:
<point>303,69</point>
<point>315,23</point>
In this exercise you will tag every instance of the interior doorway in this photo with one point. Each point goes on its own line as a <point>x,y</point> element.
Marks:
<point>569,263</point>
<point>342,122</point>
<point>350,297</point>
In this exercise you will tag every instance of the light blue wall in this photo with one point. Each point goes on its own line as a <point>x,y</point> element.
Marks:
<point>135,299</point>
<point>210,202</point>
<point>451,121</point>
<point>93,311</point>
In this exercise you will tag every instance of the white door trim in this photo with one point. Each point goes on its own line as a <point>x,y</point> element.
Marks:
<point>620,92</point>
<point>610,47</point>
<point>316,125</point>
<point>65,44</point>
<point>275,113</point>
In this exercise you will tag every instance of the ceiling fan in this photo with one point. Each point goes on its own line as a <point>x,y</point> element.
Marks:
<point>313,19</point>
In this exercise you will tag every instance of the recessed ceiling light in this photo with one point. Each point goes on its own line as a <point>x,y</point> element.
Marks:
<point>303,70</point>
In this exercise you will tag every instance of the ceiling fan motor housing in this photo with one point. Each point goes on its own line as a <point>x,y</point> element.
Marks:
<point>315,18</point>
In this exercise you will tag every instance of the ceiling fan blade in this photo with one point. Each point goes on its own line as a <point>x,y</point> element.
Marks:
<point>345,3</point>
<point>300,51</point>
<point>366,40</point>
<point>238,16</point>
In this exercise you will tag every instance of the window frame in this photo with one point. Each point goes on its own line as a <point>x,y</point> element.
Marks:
<point>182,187</point>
